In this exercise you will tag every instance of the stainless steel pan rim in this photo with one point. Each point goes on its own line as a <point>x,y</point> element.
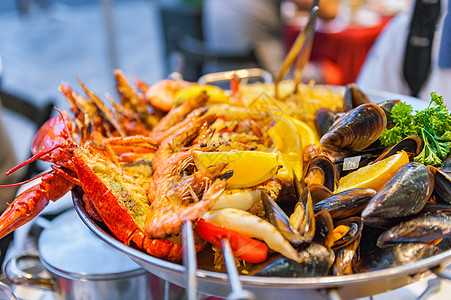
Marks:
<point>141,258</point>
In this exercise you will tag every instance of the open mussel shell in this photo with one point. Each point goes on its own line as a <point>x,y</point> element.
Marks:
<point>355,226</point>
<point>354,97</point>
<point>346,204</point>
<point>323,165</point>
<point>442,188</point>
<point>319,192</point>
<point>412,145</point>
<point>324,118</point>
<point>344,258</point>
<point>424,228</point>
<point>279,219</point>
<point>387,106</point>
<point>316,261</point>
<point>405,194</point>
<point>303,217</point>
<point>399,254</point>
<point>356,130</point>
<point>324,229</point>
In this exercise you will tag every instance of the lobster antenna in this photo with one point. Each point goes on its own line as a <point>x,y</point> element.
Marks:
<point>65,124</point>
<point>24,182</point>
<point>42,153</point>
<point>30,160</point>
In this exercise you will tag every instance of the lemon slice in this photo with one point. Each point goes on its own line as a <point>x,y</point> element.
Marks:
<point>288,141</point>
<point>373,176</point>
<point>307,133</point>
<point>249,167</point>
<point>215,94</point>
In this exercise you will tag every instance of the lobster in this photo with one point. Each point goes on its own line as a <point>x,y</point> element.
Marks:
<point>120,203</point>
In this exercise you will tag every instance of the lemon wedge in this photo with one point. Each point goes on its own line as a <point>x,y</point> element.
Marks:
<point>308,134</point>
<point>249,167</point>
<point>373,176</point>
<point>288,142</point>
<point>215,94</point>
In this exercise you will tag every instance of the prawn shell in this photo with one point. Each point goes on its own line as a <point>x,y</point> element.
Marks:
<point>405,194</point>
<point>356,130</point>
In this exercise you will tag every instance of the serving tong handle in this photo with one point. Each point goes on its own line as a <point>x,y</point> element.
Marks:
<point>189,260</point>
<point>300,49</point>
<point>237,290</point>
<point>190,263</point>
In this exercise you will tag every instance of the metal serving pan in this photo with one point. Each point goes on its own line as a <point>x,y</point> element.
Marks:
<point>216,284</point>
<point>345,287</point>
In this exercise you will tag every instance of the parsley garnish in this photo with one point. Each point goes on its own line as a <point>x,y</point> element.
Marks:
<point>432,125</point>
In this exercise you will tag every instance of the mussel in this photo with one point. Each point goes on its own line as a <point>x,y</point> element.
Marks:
<point>356,130</point>
<point>324,229</point>
<point>424,228</point>
<point>354,227</point>
<point>405,194</point>
<point>316,261</point>
<point>442,189</point>
<point>399,254</point>
<point>322,165</point>
<point>387,106</point>
<point>324,118</point>
<point>279,219</point>
<point>353,97</point>
<point>344,258</point>
<point>303,217</point>
<point>346,204</point>
<point>412,145</point>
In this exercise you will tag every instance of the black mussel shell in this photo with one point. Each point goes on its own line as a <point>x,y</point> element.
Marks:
<point>412,145</point>
<point>328,170</point>
<point>324,119</point>
<point>317,261</point>
<point>424,228</point>
<point>346,204</point>
<point>355,225</point>
<point>399,254</point>
<point>354,97</point>
<point>387,107</point>
<point>324,229</point>
<point>442,188</point>
<point>344,258</point>
<point>356,130</point>
<point>405,194</point>
<point>279,219</point>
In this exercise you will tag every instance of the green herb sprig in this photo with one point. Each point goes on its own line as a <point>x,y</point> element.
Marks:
<point>432,125</point>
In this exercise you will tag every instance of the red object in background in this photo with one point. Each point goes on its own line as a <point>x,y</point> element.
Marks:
<point>346,49</point>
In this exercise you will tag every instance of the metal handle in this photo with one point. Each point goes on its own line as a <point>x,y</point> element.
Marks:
<point>243,73</point>
<point>237,290</point>
<point>28,276</point>
<point>189,260</point>
<point>443,272</point>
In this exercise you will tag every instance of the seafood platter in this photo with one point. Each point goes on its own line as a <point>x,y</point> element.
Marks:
<point>305,191</point>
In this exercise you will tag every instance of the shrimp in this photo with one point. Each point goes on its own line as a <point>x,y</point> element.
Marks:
<point>182,138</point>
<point>179,117</point>
<point>170,194</point>
<point>162,94</point>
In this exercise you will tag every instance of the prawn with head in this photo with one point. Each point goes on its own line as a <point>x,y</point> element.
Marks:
<point>120,203</point>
